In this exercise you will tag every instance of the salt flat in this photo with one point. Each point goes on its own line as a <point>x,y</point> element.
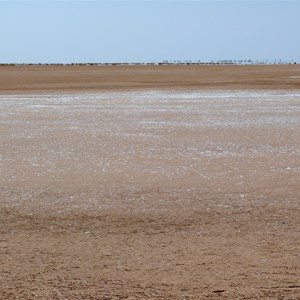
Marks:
<point>150,193</point>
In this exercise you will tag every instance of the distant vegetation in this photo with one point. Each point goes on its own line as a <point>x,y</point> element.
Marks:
<point>167,62</point>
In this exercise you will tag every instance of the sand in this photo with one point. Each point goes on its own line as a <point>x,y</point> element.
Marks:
<point>155,191</point>
<point>95,78</point>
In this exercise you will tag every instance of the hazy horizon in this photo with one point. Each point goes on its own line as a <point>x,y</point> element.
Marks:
<point>148,31</point>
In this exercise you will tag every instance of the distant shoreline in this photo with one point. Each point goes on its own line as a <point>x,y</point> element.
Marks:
<point>147,64</point>
<point>86,77</point>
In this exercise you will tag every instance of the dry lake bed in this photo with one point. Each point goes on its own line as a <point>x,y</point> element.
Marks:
<point>150,195</point>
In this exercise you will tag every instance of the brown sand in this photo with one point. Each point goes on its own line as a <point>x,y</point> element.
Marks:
<point>150,194</point>
<point>87,78</point>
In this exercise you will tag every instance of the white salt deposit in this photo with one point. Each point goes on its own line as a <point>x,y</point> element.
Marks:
<point>143,137</point>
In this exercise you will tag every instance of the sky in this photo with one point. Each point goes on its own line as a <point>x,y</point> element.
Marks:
<point>148,31</point>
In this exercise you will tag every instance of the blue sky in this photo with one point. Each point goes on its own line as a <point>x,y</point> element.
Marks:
<point>148,31</point>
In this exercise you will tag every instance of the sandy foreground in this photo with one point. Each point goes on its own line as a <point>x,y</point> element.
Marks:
<point>150,192</point>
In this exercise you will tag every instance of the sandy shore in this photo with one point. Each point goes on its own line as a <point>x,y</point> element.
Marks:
<point>149,193</point>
